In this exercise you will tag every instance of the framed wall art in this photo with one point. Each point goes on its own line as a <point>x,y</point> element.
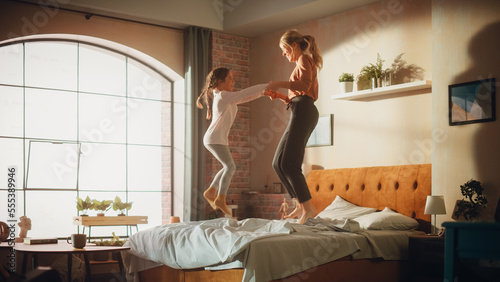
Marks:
<point>322,135</point>
<point>472,102</point>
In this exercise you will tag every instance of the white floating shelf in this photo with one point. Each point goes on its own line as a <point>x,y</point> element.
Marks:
<point>398,88</point>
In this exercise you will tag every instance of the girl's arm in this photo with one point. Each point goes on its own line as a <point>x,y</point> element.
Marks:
<point>244,95</point>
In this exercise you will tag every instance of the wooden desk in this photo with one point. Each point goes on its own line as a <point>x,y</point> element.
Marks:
<point>64,248</point>
<point>89,221</point>
<point>469,240</point>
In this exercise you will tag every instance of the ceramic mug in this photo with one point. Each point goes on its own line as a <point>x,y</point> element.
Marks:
<point>78,241</point>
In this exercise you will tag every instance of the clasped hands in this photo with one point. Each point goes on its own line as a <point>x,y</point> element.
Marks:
<point>273,94</point>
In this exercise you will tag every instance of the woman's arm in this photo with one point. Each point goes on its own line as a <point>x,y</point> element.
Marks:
<point>304,70</point>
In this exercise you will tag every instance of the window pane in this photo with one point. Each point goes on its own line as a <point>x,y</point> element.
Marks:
<point>101,71</point>
<point>11,154</point>
<point>102,118</point>
<point>51,114</point>
<point>152,204</point>
<point>148,122</point>
<point>51,65</point>
<point>145,83</point>
<point>51,165</point>
<point>11,64</point>
<point>11,111</point>
<point>51,213</point>
<point>103,167</point>
<point>18,208</point>
<point>148,168</point>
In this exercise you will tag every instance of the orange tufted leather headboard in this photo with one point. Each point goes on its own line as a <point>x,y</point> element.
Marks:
<point>402,188</point>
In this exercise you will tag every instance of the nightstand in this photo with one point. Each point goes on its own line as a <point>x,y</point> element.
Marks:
<point>426,258</point>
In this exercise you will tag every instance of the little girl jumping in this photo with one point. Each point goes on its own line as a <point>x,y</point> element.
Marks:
<point>222,106</point>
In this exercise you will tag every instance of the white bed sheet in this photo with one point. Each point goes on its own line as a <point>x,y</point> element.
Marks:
<point>279,250</point>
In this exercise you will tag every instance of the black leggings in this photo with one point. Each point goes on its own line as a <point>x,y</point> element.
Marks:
<point>289,154</point>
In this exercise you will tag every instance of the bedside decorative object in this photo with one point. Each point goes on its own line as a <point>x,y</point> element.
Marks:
<point>472,102</point>
<point>277,188</point>
<point>434,206</point>
<point>283,209</point>
<point>474,201</point>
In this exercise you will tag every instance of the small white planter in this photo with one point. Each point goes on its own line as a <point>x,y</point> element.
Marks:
<point>345,86</point>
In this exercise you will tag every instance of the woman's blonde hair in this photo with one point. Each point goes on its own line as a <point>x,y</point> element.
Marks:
<point>304,42</point>
<point>207,93</point>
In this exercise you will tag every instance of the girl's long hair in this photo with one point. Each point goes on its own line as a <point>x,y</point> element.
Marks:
<point>304,42</point>
<point>207,93</point>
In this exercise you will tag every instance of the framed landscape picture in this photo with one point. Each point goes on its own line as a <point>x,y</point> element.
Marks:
<point>322,135</point>
<point>472,102</point>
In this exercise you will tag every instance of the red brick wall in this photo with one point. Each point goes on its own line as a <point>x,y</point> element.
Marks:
<point>233,52</point>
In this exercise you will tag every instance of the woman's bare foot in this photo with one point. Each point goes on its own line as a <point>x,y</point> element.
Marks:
<point>210,194</point>
<point>308,212</point>
<point>296,212</point>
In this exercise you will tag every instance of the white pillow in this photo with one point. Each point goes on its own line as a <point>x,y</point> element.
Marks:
<point>342,209</point>
<point>386,220</point>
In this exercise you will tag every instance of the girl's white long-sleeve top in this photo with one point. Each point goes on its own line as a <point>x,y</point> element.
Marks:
<point>224,110</point>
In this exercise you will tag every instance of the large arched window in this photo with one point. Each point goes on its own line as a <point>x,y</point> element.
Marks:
<point>78,119</point>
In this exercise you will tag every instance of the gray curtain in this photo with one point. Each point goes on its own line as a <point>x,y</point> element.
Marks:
<point>197,44</point>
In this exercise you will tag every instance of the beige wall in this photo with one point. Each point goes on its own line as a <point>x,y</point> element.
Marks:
<point>387,131</point>
<point>465,49</point>
<point>453,41</point>
<point>164,44</point>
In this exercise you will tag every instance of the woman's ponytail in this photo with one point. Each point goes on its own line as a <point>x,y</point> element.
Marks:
<point>314,50</point>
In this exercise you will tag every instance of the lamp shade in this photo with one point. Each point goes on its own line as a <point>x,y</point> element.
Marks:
<point>435,205</point>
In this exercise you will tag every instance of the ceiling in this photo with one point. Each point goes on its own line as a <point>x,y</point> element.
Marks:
<point>247,18</point>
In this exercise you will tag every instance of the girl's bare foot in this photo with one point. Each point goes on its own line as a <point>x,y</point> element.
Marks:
<point>296,212</point>
<point>220,202</point>
<point>210,195</point>
<point>308,212</point>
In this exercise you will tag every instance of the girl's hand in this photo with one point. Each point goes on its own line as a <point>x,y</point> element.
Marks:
<point>277,95</point>
<point>273,85</point>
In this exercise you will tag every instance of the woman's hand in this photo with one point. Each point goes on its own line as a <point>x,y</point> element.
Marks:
<point>276,95</point>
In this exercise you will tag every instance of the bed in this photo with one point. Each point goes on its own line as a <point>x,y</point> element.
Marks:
<point>382,254</point>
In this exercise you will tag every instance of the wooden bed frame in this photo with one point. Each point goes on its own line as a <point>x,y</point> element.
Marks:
<point>402,188</point>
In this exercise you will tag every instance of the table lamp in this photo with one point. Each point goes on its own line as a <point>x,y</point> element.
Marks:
<point>433,206</point>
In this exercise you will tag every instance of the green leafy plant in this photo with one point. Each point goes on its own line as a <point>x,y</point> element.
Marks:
<point>102,206</point>
<point>474,200</point>
<point>115,241</point>
<point>345,77</point>
<point>372,70</point>
<point>84,206</point>
<point>121,206</point>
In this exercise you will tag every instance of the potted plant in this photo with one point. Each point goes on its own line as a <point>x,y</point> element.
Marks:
<point>474,201</point>
<point>372,73</point>
<point>102,206</point>
<point>121,206</point>
<point>346,80</point>
<point>84,206</point>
